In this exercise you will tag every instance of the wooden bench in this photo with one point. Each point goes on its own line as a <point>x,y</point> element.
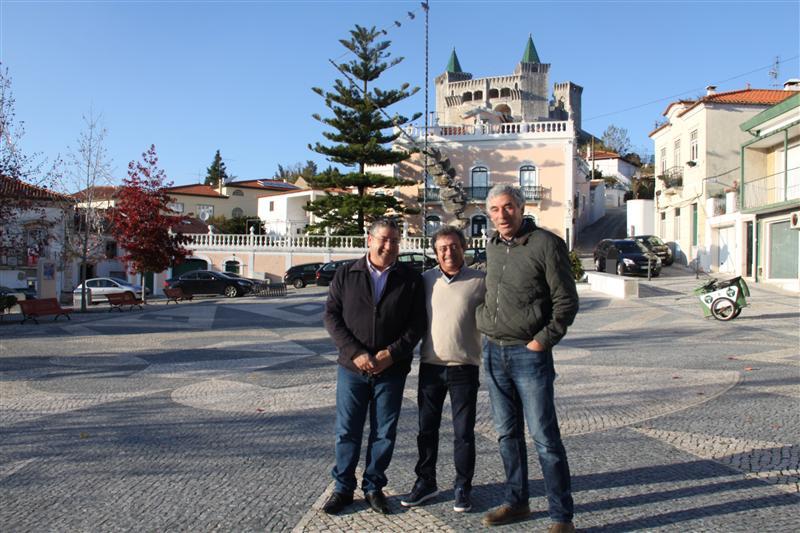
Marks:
<point>33,309</point>
<point>173,295</point>
<point>118,299</point>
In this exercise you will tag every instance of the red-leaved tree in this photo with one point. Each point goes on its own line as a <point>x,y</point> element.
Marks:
<point>143,219</point>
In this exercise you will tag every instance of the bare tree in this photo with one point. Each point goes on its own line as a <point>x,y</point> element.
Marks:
<point>89,168</point>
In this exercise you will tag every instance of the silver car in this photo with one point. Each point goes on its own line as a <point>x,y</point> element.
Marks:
<point>99,287</point>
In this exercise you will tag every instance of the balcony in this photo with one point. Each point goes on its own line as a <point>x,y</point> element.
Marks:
<point>541,129</point>
<point>771,190</point>
<point>533,193</point>
<point>672,178</point>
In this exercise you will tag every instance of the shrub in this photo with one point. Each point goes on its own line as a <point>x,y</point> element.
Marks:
<point>576,266</point>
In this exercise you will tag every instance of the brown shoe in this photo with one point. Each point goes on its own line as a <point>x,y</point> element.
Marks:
<point>561,527</point>
<point>505,514</point>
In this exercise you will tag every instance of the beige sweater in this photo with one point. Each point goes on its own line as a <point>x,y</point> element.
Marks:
<point>453,337</point>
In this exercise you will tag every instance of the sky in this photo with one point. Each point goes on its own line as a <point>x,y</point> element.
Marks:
<point>193,77</point>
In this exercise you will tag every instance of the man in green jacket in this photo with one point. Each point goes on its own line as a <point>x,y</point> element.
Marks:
<point>530,301</point>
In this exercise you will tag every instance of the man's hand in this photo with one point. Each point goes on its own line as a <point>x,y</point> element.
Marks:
<point>382,361</point>
<point>535,346</point>
<point>364,362</point>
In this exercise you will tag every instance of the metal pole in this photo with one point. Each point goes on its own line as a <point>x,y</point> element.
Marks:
<point>426,7</point>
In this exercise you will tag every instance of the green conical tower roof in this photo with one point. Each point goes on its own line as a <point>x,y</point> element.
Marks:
<point>530,55</point>
<point>453,65</point>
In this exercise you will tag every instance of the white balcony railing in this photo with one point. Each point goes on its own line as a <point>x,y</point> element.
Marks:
<point>333,243</point>
<point>540,128</point>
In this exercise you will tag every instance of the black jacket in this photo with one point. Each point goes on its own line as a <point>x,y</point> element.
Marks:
<point>530,291</point>
<point>357,325</point>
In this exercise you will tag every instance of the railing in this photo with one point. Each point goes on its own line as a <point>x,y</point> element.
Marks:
<point>672,178</point>
<point>531,192</point>
<point>543,128</point>
<point>333,243</point>
<point>768,190</point>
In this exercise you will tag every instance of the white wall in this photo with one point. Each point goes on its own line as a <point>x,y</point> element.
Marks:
<point>641,218</point>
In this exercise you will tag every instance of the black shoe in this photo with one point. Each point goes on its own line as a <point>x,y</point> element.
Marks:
<point>420,493</point>
<point>462,503</point>
<point>337,502</point>
<point>377,501</point>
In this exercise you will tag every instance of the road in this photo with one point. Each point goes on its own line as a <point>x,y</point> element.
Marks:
<point>218,415</point>
<point>611,226</point>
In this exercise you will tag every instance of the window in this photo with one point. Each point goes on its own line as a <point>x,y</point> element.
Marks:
<point>237,192</point>
<point>677,229</point>
<point>694,150</point>
<point>663,226</point>
<point>466,97</point>
<point>528,176</point>
<point>478,225</point>
<point>480,177</point>
<point>232,266</point>
<point>505,92</point>
<point>111,249</point>
<point>663,161</point>
<point>477,95</point>
<point>176,206</point>
<point>237,212</point>
<point>272,205</point>
<point>204,212</point>
<point>676,153</point>
<point>493,93</point>
<point>432,223</point>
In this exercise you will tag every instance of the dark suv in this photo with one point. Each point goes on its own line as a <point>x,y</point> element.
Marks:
<point>625,256</point>
<point>301,275</point>
<point>325,273</point>
<point>657,246</point>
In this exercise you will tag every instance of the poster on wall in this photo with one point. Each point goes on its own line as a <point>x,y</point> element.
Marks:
<point>48,271</point>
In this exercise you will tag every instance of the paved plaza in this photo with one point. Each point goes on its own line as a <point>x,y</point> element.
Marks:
<point>218,415</point>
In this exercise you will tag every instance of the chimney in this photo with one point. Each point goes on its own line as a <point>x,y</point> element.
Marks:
<point>747,86</point>
<point>711,89</point>
<point>792,84</point>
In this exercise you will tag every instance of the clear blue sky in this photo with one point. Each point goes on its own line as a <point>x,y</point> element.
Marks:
<point>192,77</point>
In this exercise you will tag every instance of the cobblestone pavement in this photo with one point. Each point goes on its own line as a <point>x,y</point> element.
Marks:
<point>218,415</point>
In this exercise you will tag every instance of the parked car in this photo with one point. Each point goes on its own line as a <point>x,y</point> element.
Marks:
<point>208,282</point>
<point>29,292</point>
<point>657,246</point>
<point>475,257</point>
<point>100,287</point>
<point>417,261</point>
<point>325,273</point>
<point>301,275</point>
<point>625,256</point>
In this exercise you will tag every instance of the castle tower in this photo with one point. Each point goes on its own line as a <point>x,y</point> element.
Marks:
<point>520,97</point>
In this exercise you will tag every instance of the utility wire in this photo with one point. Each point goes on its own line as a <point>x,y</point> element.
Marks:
<point>639,106</point>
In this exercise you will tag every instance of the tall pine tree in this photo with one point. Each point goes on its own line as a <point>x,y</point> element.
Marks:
<point>216,172</point>
<point>359,138</point>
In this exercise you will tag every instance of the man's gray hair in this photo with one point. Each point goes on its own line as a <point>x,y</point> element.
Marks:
<point>379,223</point>
<point>506,189</point>
<point>445,231</point>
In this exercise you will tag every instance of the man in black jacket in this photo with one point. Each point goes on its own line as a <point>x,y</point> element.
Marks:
<point>375,315</point>
<point>531,299</point>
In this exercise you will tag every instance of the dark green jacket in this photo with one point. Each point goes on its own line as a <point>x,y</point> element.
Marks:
<point>530,292</point>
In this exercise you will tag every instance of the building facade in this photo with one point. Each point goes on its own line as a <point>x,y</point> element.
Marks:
<point>770,195</point>
<point>504,129</point>
<point>697,163</point>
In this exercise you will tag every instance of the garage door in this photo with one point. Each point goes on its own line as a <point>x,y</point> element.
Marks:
<point>188,266</point>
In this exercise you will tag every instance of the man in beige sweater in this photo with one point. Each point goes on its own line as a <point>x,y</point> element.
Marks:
<point>450,362</point>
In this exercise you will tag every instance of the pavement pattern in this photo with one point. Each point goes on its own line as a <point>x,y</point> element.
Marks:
<point>218,415</point>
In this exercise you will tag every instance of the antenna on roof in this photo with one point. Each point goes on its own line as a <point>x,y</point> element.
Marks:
<point>774,72</point>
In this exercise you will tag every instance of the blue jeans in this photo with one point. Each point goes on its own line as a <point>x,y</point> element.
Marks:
<point>357,395</point>
<point>521,389</point>
<point>434,383</point>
